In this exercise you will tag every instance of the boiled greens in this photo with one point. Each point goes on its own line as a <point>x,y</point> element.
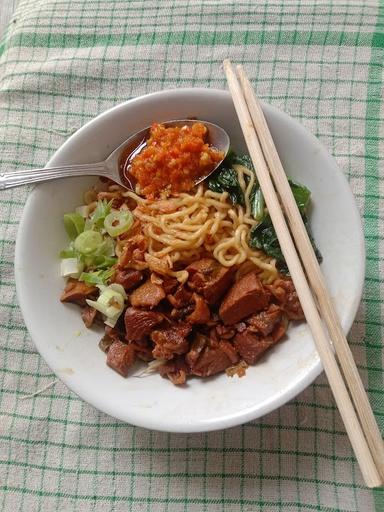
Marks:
<point>262,235</point>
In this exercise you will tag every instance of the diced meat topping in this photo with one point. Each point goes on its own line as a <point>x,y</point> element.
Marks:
<point>128,278</point>
<point>143,349</point>
<point>169,284</point>
<point>120,357</point>
<point>251,347</point>
<point>197,346</point>
<point>181,298</point>
<point>264,322</point>
<point>208,358</point>
<point>114,333</point>
<point>170,341</point>
<point>225,332</point>
<point>247,296</point>
<point>210,279</point>
<point>201,313</point>
<point>105,342</point>
<point>77,291</point>
<point>138,323</point>
<point>283,290</point>
<point>182,325</point>
<point>88,314</point>
<point>176,370</point>
<point>229,350</point>
<point>148,295</point>
<point>178,314</point>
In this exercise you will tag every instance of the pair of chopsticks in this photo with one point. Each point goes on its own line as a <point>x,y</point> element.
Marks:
<point>358,417</point>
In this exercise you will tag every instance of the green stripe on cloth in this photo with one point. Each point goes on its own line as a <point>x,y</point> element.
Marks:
<point>62,62</point>
<point>63,40</point>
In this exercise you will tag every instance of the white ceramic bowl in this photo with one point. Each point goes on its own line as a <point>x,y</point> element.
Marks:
<point>152,402</point>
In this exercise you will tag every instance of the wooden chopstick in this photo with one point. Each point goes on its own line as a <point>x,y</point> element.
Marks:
<point>343,401</point>
<point>315,277</point>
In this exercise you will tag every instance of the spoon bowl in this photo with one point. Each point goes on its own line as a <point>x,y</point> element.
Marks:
<point>113,167</point>
<point>124,154</point>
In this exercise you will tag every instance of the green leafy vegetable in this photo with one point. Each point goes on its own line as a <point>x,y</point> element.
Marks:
<point>101,262</point>
<point>74,224</point>
<point>88,242</point>
<point>97,277</point>
<point>301,194</point>
<point>118,222</point>
<point>102,209</point>
<point>71,267</point>
<point>67,253</point>
<point>243,160</point>
<point>257,203</point>
<point>225,180</point>
<point>263,235</point>
<point>107,248</point>
<point>310,236</point>
<point>110,302</point>
<point>91,249</point>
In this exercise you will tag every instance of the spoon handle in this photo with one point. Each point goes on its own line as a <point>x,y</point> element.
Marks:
<point>24,177</point>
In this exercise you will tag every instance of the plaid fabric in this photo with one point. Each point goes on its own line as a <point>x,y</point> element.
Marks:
<point>64,61</point>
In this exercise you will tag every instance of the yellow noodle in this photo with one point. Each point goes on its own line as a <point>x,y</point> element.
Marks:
<point>189,226</point>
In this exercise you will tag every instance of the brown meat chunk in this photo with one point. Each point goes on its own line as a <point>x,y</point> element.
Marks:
<point>225,332</point>
<point>207,357</point>
<point>143,349</point>
<point>120,357</point>
<point>170,341</point>
<point>230,351</point>
<point>247,296</point>
<point>178,314</point>
<point>196,349</point>
<point>210,279</point>
<point>148,295</point>
<point>139,324</point>
<point>264,322</point>
<point>128,278</point>
<point>212,359</point>
<point>113,333</point>
<point>169,284</point>
<point>201,313</point>
<point>105,342</point>
<point>251,346</point>
<point>181,298</point>
<point>285,294</point>
<point>77,291</point>
<point>88,314</point>
<point>176,370</point>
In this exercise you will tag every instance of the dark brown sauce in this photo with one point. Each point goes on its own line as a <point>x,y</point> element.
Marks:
<point>128,154</point>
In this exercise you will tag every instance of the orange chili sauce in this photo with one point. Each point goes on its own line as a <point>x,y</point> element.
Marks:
<point>173,159</point>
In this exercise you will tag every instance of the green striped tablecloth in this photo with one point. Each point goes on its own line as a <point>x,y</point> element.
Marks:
<point>64,61</point>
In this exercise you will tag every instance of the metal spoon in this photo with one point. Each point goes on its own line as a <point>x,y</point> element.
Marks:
<point>112,167</point>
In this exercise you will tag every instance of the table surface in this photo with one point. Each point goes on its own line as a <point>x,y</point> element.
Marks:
<point>64,61</point>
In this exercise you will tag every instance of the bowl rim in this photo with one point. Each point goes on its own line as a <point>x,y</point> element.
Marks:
<point>233,419</point>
